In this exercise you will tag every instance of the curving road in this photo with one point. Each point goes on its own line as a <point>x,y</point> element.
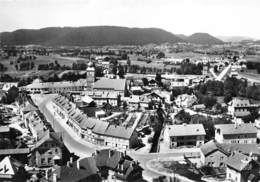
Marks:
<point>72,141</point>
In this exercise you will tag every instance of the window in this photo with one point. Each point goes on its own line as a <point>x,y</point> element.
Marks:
<point>42,160</point>
<point>49,160</point>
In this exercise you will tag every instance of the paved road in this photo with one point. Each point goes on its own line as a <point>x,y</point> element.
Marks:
<point>71,140</point>
<point>144,158</point>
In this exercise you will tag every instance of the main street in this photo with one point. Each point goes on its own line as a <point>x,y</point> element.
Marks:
<point>72,141</point>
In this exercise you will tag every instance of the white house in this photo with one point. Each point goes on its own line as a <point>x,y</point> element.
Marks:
<point>239,107</point>
<point>236,133</point>
<point>186,134</point>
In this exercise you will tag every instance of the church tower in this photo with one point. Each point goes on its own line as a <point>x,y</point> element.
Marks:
<point>90,75</point>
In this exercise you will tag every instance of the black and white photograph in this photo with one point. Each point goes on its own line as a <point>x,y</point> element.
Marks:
<point>129,91</point>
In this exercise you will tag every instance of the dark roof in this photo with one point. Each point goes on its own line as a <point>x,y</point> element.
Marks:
<point>238,161</point>
<point>72,173</point>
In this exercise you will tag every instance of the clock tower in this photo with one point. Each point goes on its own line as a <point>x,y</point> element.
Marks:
<point>90,74</point>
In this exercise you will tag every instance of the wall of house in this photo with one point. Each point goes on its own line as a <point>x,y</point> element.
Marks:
<point>216,159</point>
<point>236,138</point>
<point>233,175</point>
<point>186,140</point>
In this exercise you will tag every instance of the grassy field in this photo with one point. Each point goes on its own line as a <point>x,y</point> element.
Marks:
<point>68,61</point>
<point>253,58</point>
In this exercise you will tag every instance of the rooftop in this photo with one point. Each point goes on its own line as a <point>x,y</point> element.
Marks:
<point>115,84</point>
<point>186,130</point>
<point>238,161</point>
<point>229,129</point>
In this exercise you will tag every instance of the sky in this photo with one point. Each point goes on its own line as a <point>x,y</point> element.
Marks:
<point>217,17</point>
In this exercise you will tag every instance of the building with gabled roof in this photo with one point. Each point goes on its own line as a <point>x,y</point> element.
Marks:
<point>47,151</point>
<point>241,167</point>
<point>9,169</point>
<point>240,107</point>
<point>185,134</point>
<point>244,133</point>
<point>117,86</point>
<point>92,129</point>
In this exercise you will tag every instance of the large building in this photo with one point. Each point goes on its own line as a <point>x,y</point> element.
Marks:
<point>94,130</point>
<point>245,133</point>
<point>181,80</point>
<point>115,86</point>
<point>101,98</point>
<point>37,86</point>
<point>186,134</point>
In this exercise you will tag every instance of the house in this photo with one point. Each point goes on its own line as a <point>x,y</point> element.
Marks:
<point>179,80</point>
<point>102,97</point>
<point>212,154</point>
<point>118,165</point>
<point>78,171</point>
<point>116,86</point>
<point>215,154</point>
<point>10,170</point>
<point>242,168</point>
<point>186,134</point>
<point>48,151</point>
<point>239,107</point>
<point>106,165</point>
<point>236,133</point>
<point>185,100</point>
<point>35,124</point>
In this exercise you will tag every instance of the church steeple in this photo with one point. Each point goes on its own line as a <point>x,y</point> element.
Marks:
<point>90,74</point>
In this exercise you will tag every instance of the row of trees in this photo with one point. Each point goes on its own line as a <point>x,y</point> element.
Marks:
<point>50,66</point>
<point>231,87</point>
<point>253,65</point>
<point>187,68</point>
<point>2,67</point>
<point>24,66</point>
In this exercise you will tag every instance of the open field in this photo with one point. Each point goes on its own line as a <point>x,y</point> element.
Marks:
<point>253,58</point>
<point>68,61</point>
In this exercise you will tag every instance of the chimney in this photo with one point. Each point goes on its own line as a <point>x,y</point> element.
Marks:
<point>78,166</point>
<point>71,160</point>
<point>109,153</point>
<point>54,177</point>
<point>68,163</point>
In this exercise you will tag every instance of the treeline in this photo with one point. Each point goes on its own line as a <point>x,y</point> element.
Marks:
<point>2,67</point>
<point>50,66</point>
<point>232,87</point>
<point>253,65</point>
<point>24,66</point>
<point>187,68</point>
<point>11,95</point>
